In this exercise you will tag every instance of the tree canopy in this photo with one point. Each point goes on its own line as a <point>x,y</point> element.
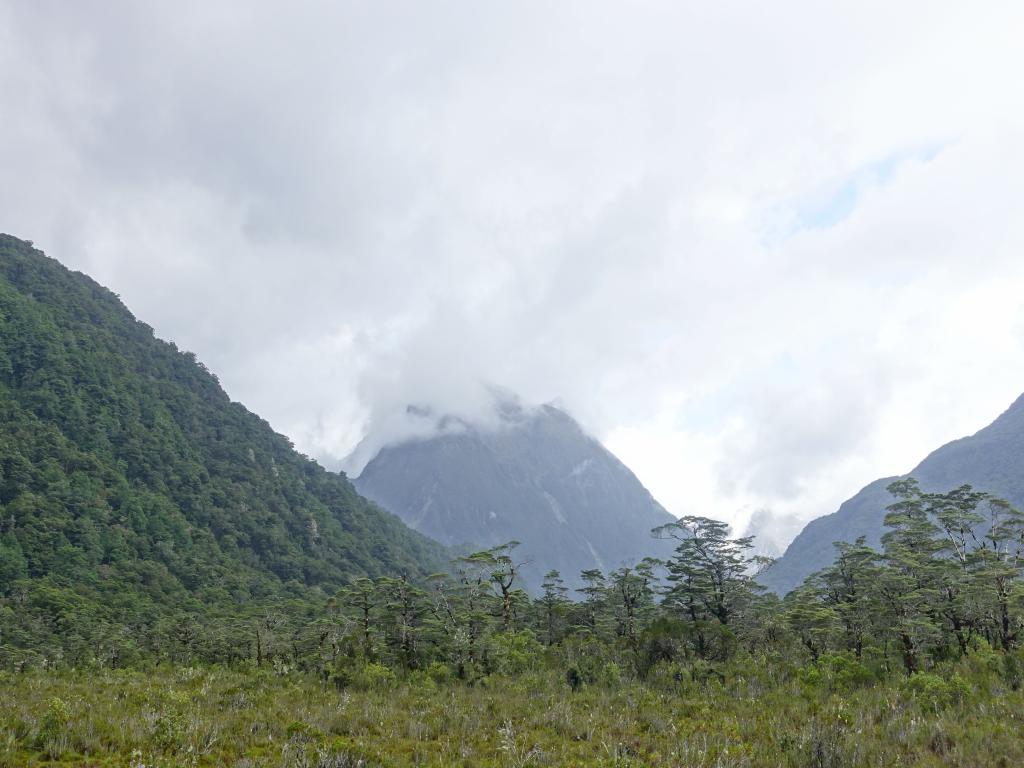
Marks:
<point>135,494</point>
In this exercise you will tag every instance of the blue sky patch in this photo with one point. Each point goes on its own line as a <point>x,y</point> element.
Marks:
<point>833,203</point>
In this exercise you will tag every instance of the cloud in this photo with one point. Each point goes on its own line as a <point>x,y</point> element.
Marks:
<point>766,254</point>
<point>772,532</point>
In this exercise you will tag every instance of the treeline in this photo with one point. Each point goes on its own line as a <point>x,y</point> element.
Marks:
<point>947,581</point>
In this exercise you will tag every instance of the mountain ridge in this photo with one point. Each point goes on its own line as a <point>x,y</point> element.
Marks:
<point>991,459</point>
<point>132,486</point>
<point>536,477</point>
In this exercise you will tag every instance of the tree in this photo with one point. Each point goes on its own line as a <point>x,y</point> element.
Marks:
<point>813,621</point>
<point>595,600</point>
<point>473,593</point>
<point>633,590</point>
<point>911,584</point>
<point>710,576</point>
<point>360,597</point>
<point>266,628</point>
<point>502,573</point>
<point>403,606</point>
<point>1000,559</point>
<point>446,612</point>
<point>846,588</point>
<point>553,604</point>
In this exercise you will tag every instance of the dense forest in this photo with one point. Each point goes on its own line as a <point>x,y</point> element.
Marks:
<point>179,587</point>
<point>136,499</point>
<point>946,583</point>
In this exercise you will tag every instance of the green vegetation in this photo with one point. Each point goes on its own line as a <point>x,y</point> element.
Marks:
<point>908,656</point>
<point>140,509</point>
<point>756,712</point>
<point>179,587</point>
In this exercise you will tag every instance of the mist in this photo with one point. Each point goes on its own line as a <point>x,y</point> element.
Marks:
<point>765,254</point>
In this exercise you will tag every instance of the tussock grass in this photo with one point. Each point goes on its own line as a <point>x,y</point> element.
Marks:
<point>253,719</point>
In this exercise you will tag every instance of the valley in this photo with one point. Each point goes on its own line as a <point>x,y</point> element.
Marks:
<point>178,586</point>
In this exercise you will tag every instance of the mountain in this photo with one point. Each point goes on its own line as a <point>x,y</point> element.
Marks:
<point>535,477</point>
<point>991,460</point>
<point>134,491</point>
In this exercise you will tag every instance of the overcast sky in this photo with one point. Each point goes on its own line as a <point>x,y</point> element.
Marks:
<point>766,252</point>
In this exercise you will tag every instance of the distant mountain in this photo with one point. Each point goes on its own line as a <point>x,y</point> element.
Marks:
<point>991,460</point>
<point>133,491</point>
<point>535,477</point>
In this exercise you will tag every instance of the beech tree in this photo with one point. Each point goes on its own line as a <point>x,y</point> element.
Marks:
<point>554,605</point>
<point>710,577</point>
<point>633,592</point>
<point>502,570</point>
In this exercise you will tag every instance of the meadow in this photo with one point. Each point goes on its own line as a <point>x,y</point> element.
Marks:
<point>752,712</point>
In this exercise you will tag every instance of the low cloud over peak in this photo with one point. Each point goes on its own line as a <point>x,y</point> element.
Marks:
<point>766,255</point>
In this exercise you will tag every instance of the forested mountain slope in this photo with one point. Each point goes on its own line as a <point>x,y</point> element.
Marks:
<point>991,460</point>
<point>536,477</point>
<point>134,493</point>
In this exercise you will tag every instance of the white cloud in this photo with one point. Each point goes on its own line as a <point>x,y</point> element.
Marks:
<point>721,234</point>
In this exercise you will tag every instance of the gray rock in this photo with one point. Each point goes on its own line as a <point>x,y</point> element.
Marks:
<point>537,478</point>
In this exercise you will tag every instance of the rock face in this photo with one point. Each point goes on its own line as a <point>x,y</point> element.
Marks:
<point>991,460</point>
<point>536,477</point>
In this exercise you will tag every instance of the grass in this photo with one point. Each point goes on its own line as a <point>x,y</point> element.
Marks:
<point>758,717</point>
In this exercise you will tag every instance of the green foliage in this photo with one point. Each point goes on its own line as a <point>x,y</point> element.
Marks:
<point>365,676</point>
<point>148,523</point>
<point>137,501</point>
<point>1013,670</point>
<point>743,713</point>
<point>712,586</point>
<point>440,673</point>
<point>843,672</point>
<point>514,653</point>
<point>933,692</point>
<point>859,622</point>
<point>53,728</point>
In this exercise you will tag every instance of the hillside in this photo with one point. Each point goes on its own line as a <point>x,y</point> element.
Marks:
<point>134,493</point>
<point>536,478</point>
<point>991,460</point>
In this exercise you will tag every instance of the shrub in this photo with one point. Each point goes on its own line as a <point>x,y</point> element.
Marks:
<point>514,653</point>
<point>844,672</point>
<point>53,729</point>
<point>440,673</point>
<point>811,676</point>
<point>341,678</point>
<point>573,678</point>
<point>302,733</point>
<point>610,675</point>
<point>1012,671</point>
<point>671,677</point>
<point>934,693</point>
<point>169,731</point>
<point>373,677</point>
